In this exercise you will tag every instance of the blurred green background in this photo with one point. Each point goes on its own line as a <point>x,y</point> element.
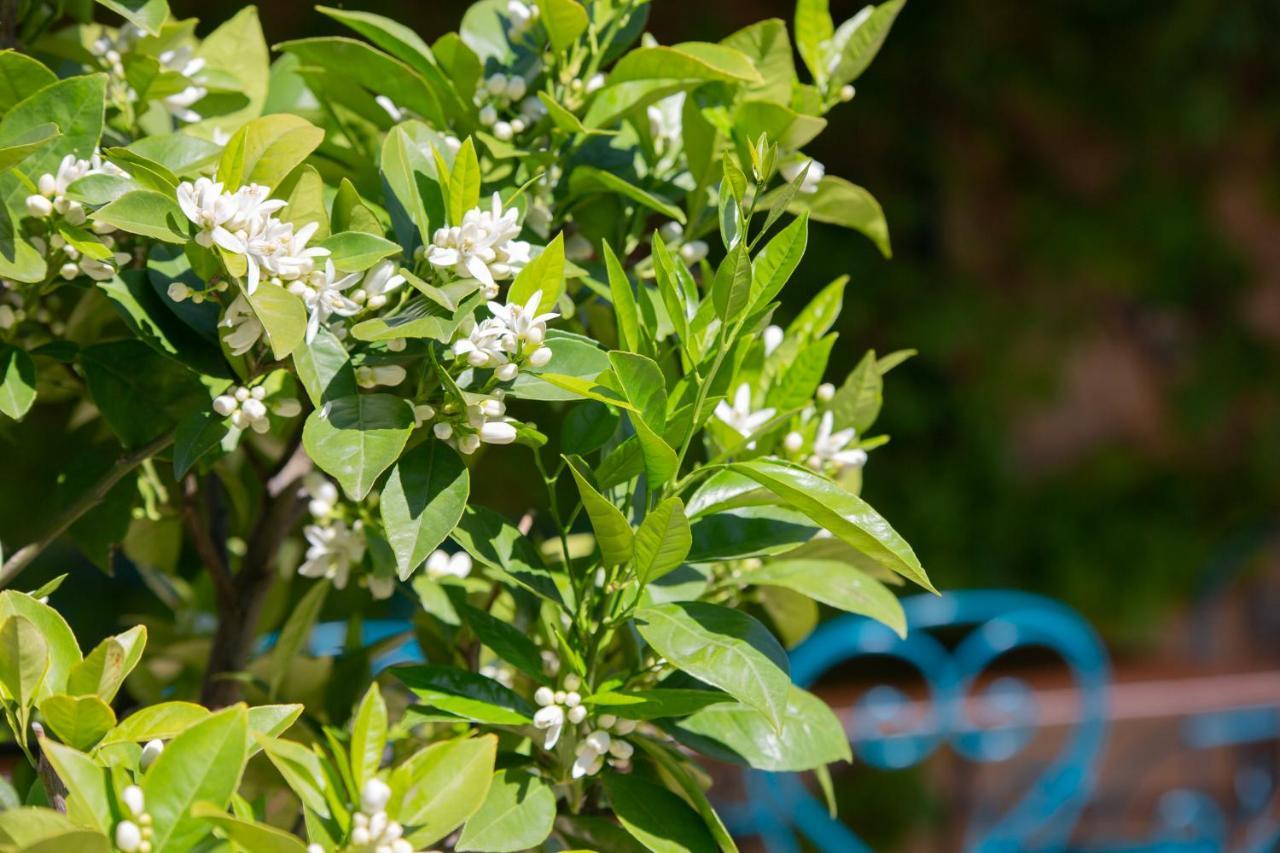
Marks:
<point>1085,212</point>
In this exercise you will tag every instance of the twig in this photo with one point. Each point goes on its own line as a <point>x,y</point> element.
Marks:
<point>87,501</point>
<point>208,550</point>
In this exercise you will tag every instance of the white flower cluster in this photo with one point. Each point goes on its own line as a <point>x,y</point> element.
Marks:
<point>502,94</point>
<point>181,60</point>
<point>323,292</point>
<point>603,745</point>
<point>690,251</point>
<point>242,223</point>
<point>248,409</point>
<point>740,416</point>
<point>371,829</point>
<point>483,246</point>
<point>514,335</point>
<point>831,449</point>
<point>246,328</point>
<point>52,195</point>
<point>558,707</point>
<point>381,279</point>
<point>483,423</point>
<point>322,495</point>
<point>333,549</point>
<point>133,834</point>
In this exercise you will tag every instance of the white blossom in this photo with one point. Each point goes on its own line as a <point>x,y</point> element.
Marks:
<point>772,337</point>
<point>322,495</point>
<point>442,564</point>
<point>334,549</point>
<point>381,279</point>
<point>833,448</point>
<point>557,708</point>
<point>150,752</point>
<point>373,375</point>
<point>210,209</point>
<point>666,122</point>
<point>246,328</point>
<point>483,246</point>
<point>740,416</point>
<point>322,293</point>
<point>52,186</point>
<point>792,168</point>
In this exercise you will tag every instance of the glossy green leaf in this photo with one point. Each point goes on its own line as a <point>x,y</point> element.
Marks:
<point>88,785</point>
<point>147,213</point>
<point>613,532</point>
<point>517,814</point>
<point>422,501</point>
<point>495,542</point>
<point>24,660</point>
<point>355,251</point>
<point>859,39</point>
<point>163,721</point>
<point>834,583</point>
<point>656,817</point>
<point>21,77</point>
<point>283,317</point>
<point>565,21</point>
<point>656,703</point>
<point>301,769</point>
<point>585,180</point>
<point>197,435</point>
<point>368,736</point>
<point>466,694</point>
<point>858,400</point>
<point>722,647</point>
<point>17,382</point>
<point>356,439</point>
<point>80,721</point>
<point>147,15</point>
<point>775,263</point>
<point>104,669</point>
<point>814,30</point>
<point>624,302</point>
<point>249,834</point>
<point>439,787</point>
<point>267,149</point>
<point>64,653</point>
<point>662,541</point>
<point>839,202</point>
<point>294,635</point>
<point>686,61</point>
<point>544,274</point>
<point>324,368</point>
<point>17,150</point>
<point>731,289</point>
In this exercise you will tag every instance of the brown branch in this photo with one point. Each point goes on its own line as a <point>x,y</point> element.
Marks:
<point>206,548</point>
<point>87,501</point>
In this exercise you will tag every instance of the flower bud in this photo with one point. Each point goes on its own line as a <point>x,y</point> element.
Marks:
<point>599,741</point>
<point>374,796</point>
<point>544,695</point>
<point>507,372</point>
<point>39,206</point>
<point>497,432</point>
<point>69,271</point>
<point>469,443</point>
<point>254,409</point>
<point>826,392</point>
<point>540,357</point>
<point>443,431</point>
<point>150,753</point>
<point>48,184</point>
<point>693,251</point>
<point>397,344</point>
<point>133,800</point>
<point>846,92</point>
<point>516,87</point>
<point>572,681</point>
<point>488,115</point>
<point>503,131</point>
<point>496,84</point>
<point>577,714</point>
<point>360,836</point>
<point>241,393</point>
<point>179,292</point>
<point>671,232</point>
<point>128,836</point>
<point>793,442</point>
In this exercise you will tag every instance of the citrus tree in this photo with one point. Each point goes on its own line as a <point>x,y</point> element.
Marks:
<point>293,320</point>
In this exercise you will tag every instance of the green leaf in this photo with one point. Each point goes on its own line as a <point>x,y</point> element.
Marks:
<point>464,182</point>
<point>495,542</point>
<point>613,532</point>
<point>324,368</point>
<point>466,694</point>
<point>722,647</point>
<point>88,785</point>
<point>676,768</point>
<point>196,436</point>
<point>624,302</point>
<point>686,61</point>
<point>80,721</point>
<point>811,735</point>
<point>21,77</point>
<point>731,289</point>
<point>404,164</point>
<point>506,641</point>
<point>834,583</point>
<point>565,21</point>
<point>265,150</point>
<point>775,263</point>
<point>24,660</point>
<point>573,357</point>
<point>248,834</point>
<point>301,770</point>
<point>147,213</point>
<point>858,400</point>
<point>17,382</point>
<point>393,37</point>
<point>544,273</point>
<point>271,720</point>
<point>63,651</point>
<point>639,380</point>
<point>517,814</point>
<point>859,39</point>
<point>656,817</point>
<point>355,251</point>
<point>105,668</point>
<point>437,788</point>
<point>148,15</point>
<point>662,542</point>
<point>586,180</point>
<point>40,830</point>
<point>179,153</point>
<point>238,50</point>
<point>27,144</point>
<point>163,721</point>
<point>566,120</point>
<point>356,439</point>
<point>368,737</point>
<point>839,202</point>
<point>843,513</point>
<point>283,317</point>
<point>656,703</point>
<point>814,28</point>
<point>304,190</point>
<point>767,45</point>
<point>294,634</point>
<point>350,213</point>
<point>202,763</point>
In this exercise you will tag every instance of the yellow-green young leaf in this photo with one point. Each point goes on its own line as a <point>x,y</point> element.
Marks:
<point>356,251</point>
<point>17,150</point>
<point>691,60</point>
<point>88,785</point>
<point>356,439</point>
<point>267,149</point>
<point>656,817</point>
<point>775,263</point>
<point>859,39</point>
<point>294,634</point>
<point>811,735</point>
<point>613,533</point>
<point>814,28</point>
<point>402,163</point>
<point>723,647</point>
<point>64,653</point>
<point>566,120</point>
<point>80,721</point>
<point>587,389</point>
<point>203,763</point>
<point>147,213</point>
<point>662,542</point>
<point>839,202</point>
<point>17,382</point>
<point>163,721</point>
<point>272,720</point>
<point>843,513</point>
<point>306,202</point>
<point>517,814</point>
<point>300,768</point>
<point>836,584</point>
<point>368,737</point>
<point>105,668</point>
<point>249,834</point>
<point>283,317</point>
<point>731,289</point>
<point>464,182</point>
<point>20,77</point>
<point>858,401</point>
<point>544,273</point>
<point>422,501</point>
<point>350,213</point>
<point>24,660</point>
<point>585,180</point>
<point>41,830</point>
<point>324,368</point>
<point>676,768</point>
<point>437,788</point>
<point>565,20</point>
<point>624,302</point>
<point>148,15</point>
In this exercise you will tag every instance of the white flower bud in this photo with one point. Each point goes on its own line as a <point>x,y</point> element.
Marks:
<point>693,251</point>
<point>258,392</point>
<point>128,836</point>
<point>374,796</point>
<point>443,431</point>
<point>360,836</point>
<point>469,443</point>
<point>577,714</point>
<point>544,695</point>
<point>793,442</point>
<point>599,741</point>
<point>47,184</point>
<point>224,405</point>
<point>503,131</point>
<point>39,206</point>
<point>397,344</point>
<point>493,408</point>
<point>497,432</point>
<point>488,115</point>
<point>572,699</point>
<point>826,392</point>
<point>671,232</point>
<point>133,800</point>
<point>179,292</point>
<point>507,372</point>
<point>606,721</point>
<point>540,357</point>
<point>241,393</point>
<point>625,727</point>
<point>423,413</point>
<point>846,92</point>
<point>621,750</point>
<point>560,694</point>
<point>240,420</point>
<point>7,317</point>
<point>254,409</point>
<point>497,83</point>
<point>150,752</point>
<point>517,125</point>
<point>772,337</point>
<point>572,681</point>
<point>69,271</point>
<point>516,87</point>
<point>75,213</point>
